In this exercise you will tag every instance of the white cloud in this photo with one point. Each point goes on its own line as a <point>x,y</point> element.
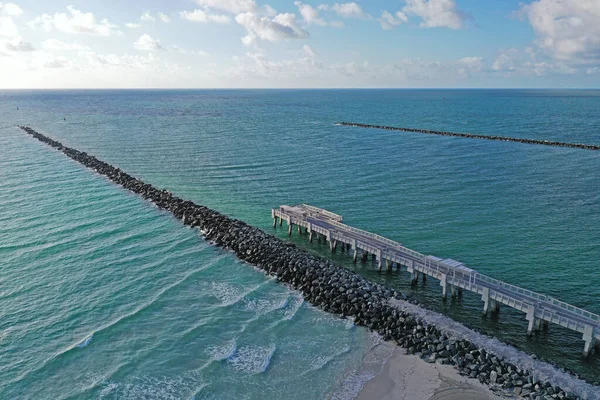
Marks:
<point>19,45</point>
<point>282,26</point>
<point>147,17</point>
<point>180,50</point>
<point>469,65</point>
<point>261,71</point>
<point>147,43</point>
<point>567,29</point>
<point>506,61</point>
<point>349,10</point>
<point>54,44</point>
<point>312,15</point>
<point>10,9</point>
<point>309,51</point>
<point>593,71</point>
<point>204,16</point>
<point>309,14</point>
<point>472,63</point>
<point>231,6</point>
<point>132,25</point>
<point>75,22</point>
<point>8,27</point>
<point>546,68</point>
<point>389,21</point>
<point>125,61</point>
<point>164,17</point>
<point>57,63</point>
<point>270,11</point>
<point>436,13</point>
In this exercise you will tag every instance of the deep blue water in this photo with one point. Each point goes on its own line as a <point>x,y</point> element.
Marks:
<point>103,295</point>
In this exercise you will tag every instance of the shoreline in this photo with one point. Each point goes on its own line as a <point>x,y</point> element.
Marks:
<point>405,376</point>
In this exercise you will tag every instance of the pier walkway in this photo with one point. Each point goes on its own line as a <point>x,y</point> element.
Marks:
<point>452,274</point>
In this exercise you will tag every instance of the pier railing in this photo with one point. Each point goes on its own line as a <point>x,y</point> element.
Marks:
<point>450,272</point>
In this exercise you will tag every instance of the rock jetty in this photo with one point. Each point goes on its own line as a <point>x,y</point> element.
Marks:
<point>330,287</point>
<point>476,136</point>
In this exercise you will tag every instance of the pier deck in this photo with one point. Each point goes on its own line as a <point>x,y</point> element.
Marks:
<point>451,274</point>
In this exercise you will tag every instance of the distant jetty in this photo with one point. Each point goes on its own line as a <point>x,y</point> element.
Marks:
<point>330,287</point>
<point>476,136</point>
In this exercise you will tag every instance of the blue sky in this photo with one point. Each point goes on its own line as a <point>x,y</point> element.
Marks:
<point>277,43</point>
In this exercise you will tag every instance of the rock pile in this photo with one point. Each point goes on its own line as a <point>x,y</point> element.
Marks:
<point>330,287</point>
<point>475,136</point>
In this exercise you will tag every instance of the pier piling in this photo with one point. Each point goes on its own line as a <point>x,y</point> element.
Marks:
<point>537,307</point>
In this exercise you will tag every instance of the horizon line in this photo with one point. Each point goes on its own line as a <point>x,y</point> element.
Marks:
<point>311,88</point>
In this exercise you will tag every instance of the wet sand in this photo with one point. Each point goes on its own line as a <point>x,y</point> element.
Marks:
<point>407,377</point>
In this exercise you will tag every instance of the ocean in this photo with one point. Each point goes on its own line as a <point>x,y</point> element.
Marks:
<point>102,295</point>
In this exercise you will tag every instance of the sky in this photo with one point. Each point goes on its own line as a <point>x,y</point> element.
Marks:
<point>300,44</point>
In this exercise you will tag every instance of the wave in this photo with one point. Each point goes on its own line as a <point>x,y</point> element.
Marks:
<point>539,369</point>
<point>185,386</point>
<point>86,341</point>
<point>265,306</point>
<point>291,311</point>
<point>223,352</point>
<point>230,294</point>
<point>252,359</point>
<point>321,361</point>
<point>110,324</point>
<point>372,364</point>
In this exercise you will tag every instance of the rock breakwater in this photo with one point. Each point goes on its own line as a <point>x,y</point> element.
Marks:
<point>476,136</point>
<point>330,287</point>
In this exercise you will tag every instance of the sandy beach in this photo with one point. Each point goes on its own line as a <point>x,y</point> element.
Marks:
<point>407,377</point>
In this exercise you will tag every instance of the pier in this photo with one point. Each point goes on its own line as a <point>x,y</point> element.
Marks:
<point>453,275</point>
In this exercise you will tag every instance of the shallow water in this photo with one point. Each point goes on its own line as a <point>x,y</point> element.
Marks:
<point>83,257</point>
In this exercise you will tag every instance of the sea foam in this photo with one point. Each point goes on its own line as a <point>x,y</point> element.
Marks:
<point>252,359</point>
<point>86,341</point>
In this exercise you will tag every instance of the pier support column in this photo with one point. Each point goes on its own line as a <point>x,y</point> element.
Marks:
<point>290,225</point>
<point>460,292</point>
<point>494,307</point>
<point>532,320</point>
<point>388,265</point>
<point>414,277</point>
<point>365,256</point>
<point>486,300</point>
<point>453,290</point>
<point>444,286</point>
<point>588,337</point>
<point>353,244</point>
<point>300,229</point>
<point>274,222</point>
<point>310,237</point>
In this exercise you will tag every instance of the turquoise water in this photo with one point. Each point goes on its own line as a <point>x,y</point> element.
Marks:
<point>157,312</point>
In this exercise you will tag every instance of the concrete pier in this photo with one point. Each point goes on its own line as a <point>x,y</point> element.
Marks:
<point>452,274</point>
